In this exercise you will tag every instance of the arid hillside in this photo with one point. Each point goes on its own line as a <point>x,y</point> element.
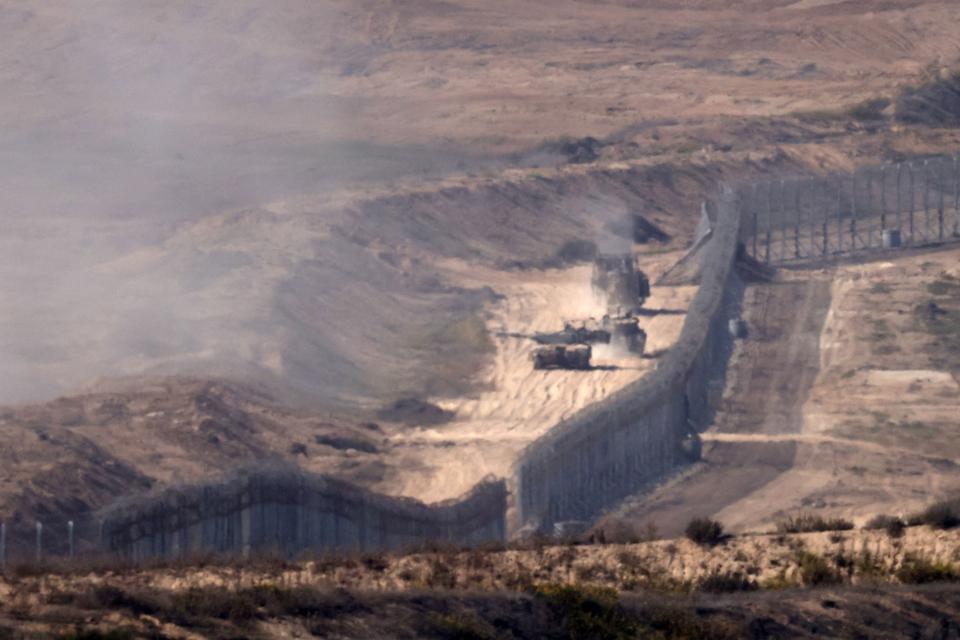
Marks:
<point>348,207</point>
<point>131,125</point>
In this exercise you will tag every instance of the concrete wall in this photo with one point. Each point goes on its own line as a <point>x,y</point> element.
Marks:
<point>631,440</point>
<point>288,511</point>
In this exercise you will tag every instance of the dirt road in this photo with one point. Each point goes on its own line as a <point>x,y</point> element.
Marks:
<point>769,380</point>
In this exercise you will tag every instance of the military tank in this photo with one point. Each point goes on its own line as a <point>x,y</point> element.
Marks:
<point>562,357</point>
<point>587,333</point>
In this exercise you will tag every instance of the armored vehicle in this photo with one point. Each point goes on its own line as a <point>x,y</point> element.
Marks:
<point>617,277</point>
<point>587,333</point>
<point>626,332</point>
<point>562,357</point>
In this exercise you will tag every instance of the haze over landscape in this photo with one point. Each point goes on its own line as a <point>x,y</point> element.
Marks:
<point>339,241</point>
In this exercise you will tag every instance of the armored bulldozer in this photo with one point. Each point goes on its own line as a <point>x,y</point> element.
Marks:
<point>617,277</point>
<point>625,332</point>
<point>562,357</point>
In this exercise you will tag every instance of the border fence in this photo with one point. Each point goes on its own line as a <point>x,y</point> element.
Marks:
<point>262,510</point>
<point>909,204</point>
<point>632,439</point>
<point>41,540</point>
<point>610,450</point>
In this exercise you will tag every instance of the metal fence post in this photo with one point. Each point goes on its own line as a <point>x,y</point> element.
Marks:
<point>868,208</point>
<point>899,195</point>
<point>941,187</point>
<point>756,217</point>
<point>956,195</point>
<point>812,208</point>
<point>926,200</point>
<point>70,537</point>
<point>853,211</point>
<point>913,199</point>
<point>39,541</point>
<point>826,216</point>
<point>769,219</point>
<point>839,215</point>
<point>783,221</point>
<point>883,202</point>
<point>796,218</point>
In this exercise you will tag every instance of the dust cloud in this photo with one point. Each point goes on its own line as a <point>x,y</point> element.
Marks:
<point>122,125</point>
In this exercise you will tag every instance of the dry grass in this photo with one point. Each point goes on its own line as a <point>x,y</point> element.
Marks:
<point>809,523</point>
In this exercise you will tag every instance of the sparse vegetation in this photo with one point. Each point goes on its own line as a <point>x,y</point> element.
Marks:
<point>945,285</point>
<point>726,582</point>
<point>815,570</point>
<point>919,570</point>
<point>588,613</point>
<point>809,523</point>
<point>298,449</point>
<point>705,531</point>
<point>893,525</point>
<point>944,514</point>
<point>868,565</point>
<point>935,102</point>
<point>458,627</point>
<point>869,110</point>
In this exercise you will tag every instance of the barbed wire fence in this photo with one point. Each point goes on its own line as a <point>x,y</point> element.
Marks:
<point>909,204</point>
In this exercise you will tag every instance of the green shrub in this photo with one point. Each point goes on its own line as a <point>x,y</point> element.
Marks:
<point>726,582</point>
<point>705,531</point>
<point>918,570</point>
<point>809,523</point>
<point>671,621</point>
<point>940,515</point>
<point>815,571</point>
<point>893,525</point>
<point>588,612</point>
<point>457,627</point>
<point>868,565</point>
<point>779,582</point>
<point>935,103</point>
<point>868,110</point>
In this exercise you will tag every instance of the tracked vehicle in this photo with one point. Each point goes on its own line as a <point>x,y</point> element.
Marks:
<point>562,357</point>
<point>617,277</point>
<point>625,332</point>
<point>586,333</point>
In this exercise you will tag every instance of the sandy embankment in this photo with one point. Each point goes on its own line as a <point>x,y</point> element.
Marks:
<point>515,404</point>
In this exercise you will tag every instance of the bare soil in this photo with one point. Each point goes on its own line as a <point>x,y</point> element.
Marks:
<point>839,402</point>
